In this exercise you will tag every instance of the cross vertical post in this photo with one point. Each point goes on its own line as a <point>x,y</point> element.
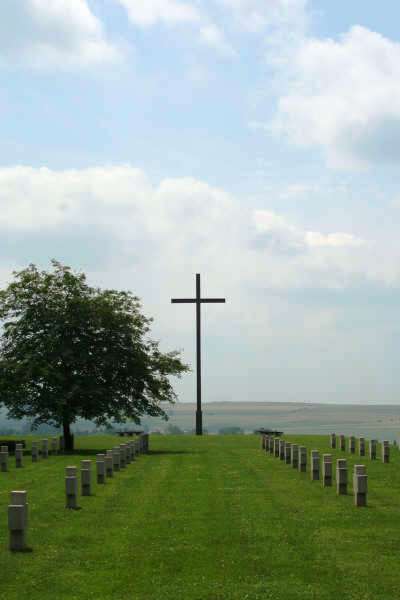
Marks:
<point>198,301</point>
<point>199,412</point>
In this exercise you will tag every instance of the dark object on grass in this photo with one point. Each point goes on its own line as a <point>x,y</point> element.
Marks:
<point>129,433</point>
<point>12,444</point>
<point>273,432</point>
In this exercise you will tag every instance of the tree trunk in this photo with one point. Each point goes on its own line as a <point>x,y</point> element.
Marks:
<point>68,437</point>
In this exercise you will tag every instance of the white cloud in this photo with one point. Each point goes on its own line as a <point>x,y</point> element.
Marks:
<point>52,34</point>
<point>182,224</point>
<point>146,13</point>
<point>285,285</point>
<point>212,36</point>
<point>344,96</point>
<point>256,15</point>
<point>278,229</point>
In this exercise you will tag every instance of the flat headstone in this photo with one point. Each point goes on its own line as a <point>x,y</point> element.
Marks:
<point>294,456</point>
<point>315,465</point>
<point>341,476</point>
<point>327,470</point>
<point>302,459</point>
<point>71,491</point>
<point>361,446</point>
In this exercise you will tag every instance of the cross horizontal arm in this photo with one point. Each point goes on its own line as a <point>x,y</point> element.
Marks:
<point>193,300</point>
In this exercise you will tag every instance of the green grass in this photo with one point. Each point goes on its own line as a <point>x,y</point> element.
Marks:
<point>211,518</point>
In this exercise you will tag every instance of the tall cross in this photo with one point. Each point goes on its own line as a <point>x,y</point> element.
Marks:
<point>198,301</point>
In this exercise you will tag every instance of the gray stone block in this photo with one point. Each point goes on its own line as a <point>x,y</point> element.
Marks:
<point>109,466</point>
<point>71,491</point>
<point>276,447</point>
<point>341,476</point>
<point>302,459</point>
<point>372,449</point>
<point>327,470</point>
<point>361,446</point>
<point>315,465</point>
<point>385,452</point>
<point>3,461</point>
<point>86,482</point>
<point>17,527</point>
<point>18,458</point>
<point>294,456</point>
<point>288,446</point>
<point>282,449</point>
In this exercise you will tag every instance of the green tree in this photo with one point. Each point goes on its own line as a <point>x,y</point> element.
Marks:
<point>70,351</point>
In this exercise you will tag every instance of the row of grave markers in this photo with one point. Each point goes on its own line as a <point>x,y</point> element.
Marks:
<point>361,446</point>
<point>106,464</point>
<point>43,450</point>
<point>296,456</point>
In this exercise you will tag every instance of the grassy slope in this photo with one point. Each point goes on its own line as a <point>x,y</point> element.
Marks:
<point>203,519</point>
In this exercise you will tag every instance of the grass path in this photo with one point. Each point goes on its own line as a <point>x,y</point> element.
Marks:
<point>203,519</point>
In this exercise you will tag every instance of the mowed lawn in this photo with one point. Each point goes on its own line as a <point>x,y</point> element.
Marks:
<point>212,518</point>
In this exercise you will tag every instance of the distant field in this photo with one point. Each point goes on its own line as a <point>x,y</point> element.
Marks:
<point>210,518</point>
<point>369,420</point>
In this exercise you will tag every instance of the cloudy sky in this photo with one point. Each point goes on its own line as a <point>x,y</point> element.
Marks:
<point>256,142</point>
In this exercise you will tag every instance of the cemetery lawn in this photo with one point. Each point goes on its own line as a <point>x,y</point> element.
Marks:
<point>212,518</point>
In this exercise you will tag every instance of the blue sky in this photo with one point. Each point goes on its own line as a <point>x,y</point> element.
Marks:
<point>254,141</point>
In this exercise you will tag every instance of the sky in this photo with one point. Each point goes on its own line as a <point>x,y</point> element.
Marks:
<point>255,142</point>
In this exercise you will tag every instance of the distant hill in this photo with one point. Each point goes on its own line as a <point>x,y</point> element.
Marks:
<point>369,420</point>
<point>380,421</point>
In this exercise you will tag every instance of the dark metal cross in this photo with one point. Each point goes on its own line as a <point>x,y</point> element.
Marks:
<point>198,301</point>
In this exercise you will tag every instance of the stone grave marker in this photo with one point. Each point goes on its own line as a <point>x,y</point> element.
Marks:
<point>18,521</point>
<point>385,452</point>
<point>18,456</point>
<point>35,451</point>
<point>4,459</point>
<point>372,449</point>
<point>101,468</point>
<point>116,459</point>
<point>327,470</point>
<point>333,440</point>
<point>86,482</point>
<point>314,465</point>
<point>294,451</point>
<point>360,485</point>
<point>122,451</point>
<point>282,449</point>
<point>361,446</point>
<point>276,447</point>
<point>71,471</point>
<point>109,461</point>
<point>71,489</point>
<point>302,459</point>
<point>288,446</point>
<point>341,477</point>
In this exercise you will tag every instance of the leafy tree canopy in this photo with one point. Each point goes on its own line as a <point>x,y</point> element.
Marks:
<point>68,350</point>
